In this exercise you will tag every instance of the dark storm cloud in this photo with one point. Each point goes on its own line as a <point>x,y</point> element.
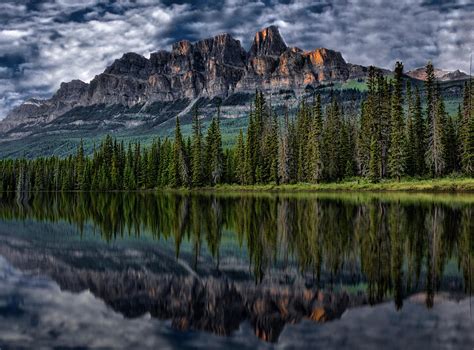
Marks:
<point>45,42</point>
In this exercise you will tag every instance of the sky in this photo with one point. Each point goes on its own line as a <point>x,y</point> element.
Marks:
<point>45,42</point>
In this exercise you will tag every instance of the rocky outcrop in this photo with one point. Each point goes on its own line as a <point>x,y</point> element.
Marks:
<point>217,66</point>
<point>267,42</point>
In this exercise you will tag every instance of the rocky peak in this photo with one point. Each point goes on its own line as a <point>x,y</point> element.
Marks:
<point>222,48</point>
<point>217,66</point>
<point>70,91</point>
<point>268,42</point>
<point>130,63</point>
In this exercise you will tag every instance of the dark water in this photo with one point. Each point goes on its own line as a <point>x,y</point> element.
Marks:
<point>164,271</point>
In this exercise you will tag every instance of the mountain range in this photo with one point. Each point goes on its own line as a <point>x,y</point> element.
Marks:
<point>136,95</point>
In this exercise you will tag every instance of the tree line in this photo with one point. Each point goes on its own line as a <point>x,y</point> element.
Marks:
<point>397,133</point>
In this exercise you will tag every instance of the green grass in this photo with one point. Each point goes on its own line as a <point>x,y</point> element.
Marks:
<point>448,184</point>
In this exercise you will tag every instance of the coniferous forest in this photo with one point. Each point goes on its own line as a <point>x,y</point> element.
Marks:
<point>400,131</point>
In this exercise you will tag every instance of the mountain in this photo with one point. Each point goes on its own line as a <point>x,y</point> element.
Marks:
<point>214,67</point>
<point>441,75</point>
<point>139,98</point>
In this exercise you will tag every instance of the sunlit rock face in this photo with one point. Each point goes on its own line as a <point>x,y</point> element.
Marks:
<point>213,67</point>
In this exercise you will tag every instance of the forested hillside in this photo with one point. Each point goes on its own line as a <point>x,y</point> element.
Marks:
<point>395,134</point>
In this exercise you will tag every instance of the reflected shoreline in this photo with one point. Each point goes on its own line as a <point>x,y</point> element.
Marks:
<point>271,260</point>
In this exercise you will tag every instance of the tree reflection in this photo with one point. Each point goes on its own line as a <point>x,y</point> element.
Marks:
<point>392,246</point>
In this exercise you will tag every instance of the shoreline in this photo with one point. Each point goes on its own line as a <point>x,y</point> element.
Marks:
<point>442,185</point>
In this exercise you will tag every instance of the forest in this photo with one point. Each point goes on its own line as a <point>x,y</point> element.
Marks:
<point>400,132</point>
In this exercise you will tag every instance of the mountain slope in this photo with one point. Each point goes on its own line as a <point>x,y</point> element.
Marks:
<point>139,98</point>
<point>214,67</point>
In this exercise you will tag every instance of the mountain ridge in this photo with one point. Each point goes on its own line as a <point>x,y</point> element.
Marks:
<point>214,67</point>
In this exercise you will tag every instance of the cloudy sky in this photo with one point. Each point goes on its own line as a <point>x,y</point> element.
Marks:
<point>44,42</point>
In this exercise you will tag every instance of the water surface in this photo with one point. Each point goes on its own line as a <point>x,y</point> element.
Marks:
<point>236,271</point>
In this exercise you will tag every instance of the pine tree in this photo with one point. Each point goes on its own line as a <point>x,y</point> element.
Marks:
<point>314,142</point>
<point>240,158</point>
<point>364,141</point>
<point>214,153</point>
<point>179,167</point>
<point>374,164</point>
<point>430,93</point>
<point>302,128</point>
<point>451,146</point>
<point>436,141</point>
<point>420,139</point>
<point>80,161</point>
<point>331,139</point>
<point>197,166</point>
<point>435,114</point>
<point>284,152</point>
<point>397,141</point>
<point>384,116</point>
<point>467,131</point>
<point>410,134</point>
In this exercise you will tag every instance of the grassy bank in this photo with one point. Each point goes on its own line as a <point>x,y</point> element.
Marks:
<point>454,184</point>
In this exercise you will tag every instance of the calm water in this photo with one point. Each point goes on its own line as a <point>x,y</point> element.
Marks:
<point>238,271</point>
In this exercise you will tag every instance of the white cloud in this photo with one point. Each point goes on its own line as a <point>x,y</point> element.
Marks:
<point>56,43</point>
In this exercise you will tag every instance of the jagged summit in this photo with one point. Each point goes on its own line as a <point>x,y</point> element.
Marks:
<point>214,67</point>
<point>268,42</point>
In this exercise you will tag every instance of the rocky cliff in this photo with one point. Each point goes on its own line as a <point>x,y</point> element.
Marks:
<point>214,67</point>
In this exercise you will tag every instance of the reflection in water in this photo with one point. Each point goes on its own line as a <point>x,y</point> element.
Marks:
<point>268,259</point>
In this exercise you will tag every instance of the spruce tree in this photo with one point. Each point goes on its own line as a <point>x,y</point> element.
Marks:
<point>436,141</point>
<point>197,166</point>
<point>374,164</point>
<point>179,167</point>
<point>214,153</point>
<point>435,114</point>
<point>240,159</point>
<point>410,134</point>
<point>397,136</point>
<point>420,139</point>
<point>314,142</point>
<point>467,131</point>
<point>284,152</point>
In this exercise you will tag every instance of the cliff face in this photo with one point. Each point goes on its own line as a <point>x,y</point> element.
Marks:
<point>217,66</point>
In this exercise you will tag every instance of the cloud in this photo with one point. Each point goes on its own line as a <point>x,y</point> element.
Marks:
<point>60,40</point>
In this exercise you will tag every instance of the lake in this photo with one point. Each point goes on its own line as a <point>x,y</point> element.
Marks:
<point>168,270</point>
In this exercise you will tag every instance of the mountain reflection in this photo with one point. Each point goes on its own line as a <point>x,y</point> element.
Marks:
<point>304,256</point>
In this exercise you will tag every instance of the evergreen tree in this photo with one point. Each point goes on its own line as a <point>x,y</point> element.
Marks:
<point>332,155</point>
<point>467,131</point>
<point>435,114</point>
<point>284,152</point>
<point>410,134</point>
<point>314,142</point>
<point>197,166</point>
<point>436,141</point>
<point>179,166</point>
<point>214,153</point>
<point>397,136</point>
<point>374,164</point>
<point>240,158</point>
<point>420,139</point>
